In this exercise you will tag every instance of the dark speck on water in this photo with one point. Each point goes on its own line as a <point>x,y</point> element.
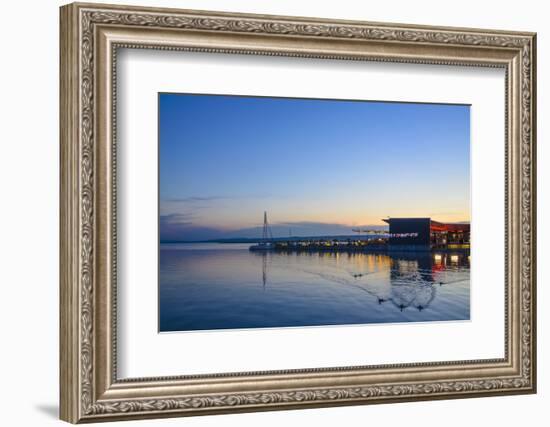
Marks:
<point>210,286</point>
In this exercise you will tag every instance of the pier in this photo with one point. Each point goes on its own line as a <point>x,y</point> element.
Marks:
<point>330,246</point>
<point>358,246</point>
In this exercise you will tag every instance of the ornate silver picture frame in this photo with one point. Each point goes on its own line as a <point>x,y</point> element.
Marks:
<point>91,34</point>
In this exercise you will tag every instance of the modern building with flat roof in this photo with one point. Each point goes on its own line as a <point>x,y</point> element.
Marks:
<point>426,234</point>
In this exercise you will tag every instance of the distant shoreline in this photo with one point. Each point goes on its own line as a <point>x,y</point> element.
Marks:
<point>342,238</point>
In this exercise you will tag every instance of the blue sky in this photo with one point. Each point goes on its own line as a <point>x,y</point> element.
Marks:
<point>316,166</point>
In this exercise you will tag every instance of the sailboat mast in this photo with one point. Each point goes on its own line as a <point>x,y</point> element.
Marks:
<point>264,233</point>
<point>267,236</point>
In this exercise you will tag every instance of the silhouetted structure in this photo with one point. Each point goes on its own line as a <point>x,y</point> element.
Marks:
<point>426,234</point>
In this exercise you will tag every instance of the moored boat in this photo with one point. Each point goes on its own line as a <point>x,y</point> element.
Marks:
<point>268,246</point>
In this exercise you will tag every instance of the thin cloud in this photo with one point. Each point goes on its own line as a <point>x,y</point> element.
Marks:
<point>193,199</point>
<point>177,218</point>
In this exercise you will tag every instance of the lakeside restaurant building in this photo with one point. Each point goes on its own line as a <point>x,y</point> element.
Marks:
<point>427,234</point>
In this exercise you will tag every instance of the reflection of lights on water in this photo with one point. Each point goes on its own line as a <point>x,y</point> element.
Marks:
<point>454,258</point>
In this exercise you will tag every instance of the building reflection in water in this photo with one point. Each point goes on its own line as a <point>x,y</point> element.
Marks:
<point>398,280</point>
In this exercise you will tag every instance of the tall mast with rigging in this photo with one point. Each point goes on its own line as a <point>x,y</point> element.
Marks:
<point>266,233</point>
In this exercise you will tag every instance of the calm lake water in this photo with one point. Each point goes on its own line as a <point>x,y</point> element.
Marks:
<point>225,286</point>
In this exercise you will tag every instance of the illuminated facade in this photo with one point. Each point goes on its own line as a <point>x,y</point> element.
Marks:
<point>427,234</point>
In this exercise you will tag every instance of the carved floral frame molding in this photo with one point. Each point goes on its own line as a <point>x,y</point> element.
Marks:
<point>90,37</point>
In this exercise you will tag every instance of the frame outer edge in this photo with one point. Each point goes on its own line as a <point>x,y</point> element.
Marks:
<point>77,226</point>
<point>533,206</point>
<point>69,354</point>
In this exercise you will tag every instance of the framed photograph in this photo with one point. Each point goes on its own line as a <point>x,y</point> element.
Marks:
<point>266,212</point>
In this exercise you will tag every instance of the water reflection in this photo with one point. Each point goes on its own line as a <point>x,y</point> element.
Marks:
<point>216,287</point>
<point>412,276</point>
<point>264,269</point>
